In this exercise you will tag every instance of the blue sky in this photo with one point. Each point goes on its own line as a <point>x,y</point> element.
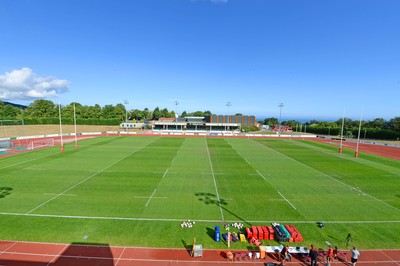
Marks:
<point>319,58</point>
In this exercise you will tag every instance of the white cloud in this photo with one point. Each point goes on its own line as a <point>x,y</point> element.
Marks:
<point>24,84</point>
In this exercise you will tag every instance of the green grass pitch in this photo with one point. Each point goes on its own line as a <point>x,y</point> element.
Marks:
<point>136,191</point>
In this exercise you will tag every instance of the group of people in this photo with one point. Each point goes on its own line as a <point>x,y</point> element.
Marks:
<point>332,254</point>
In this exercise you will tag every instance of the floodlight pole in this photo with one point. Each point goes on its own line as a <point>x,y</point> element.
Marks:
<point>358,138</point>
<point>176,115</point>
<point>126,111</point>
<point>126,114</point>
<point>228,104</point>
<point>280,116</point>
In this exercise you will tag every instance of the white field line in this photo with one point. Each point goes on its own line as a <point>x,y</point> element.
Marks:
<point>192,219</point>
<point>120,256</point>
<point>144,197</point>
<point>287,200</point>
<point>54,194</point>
<point>215,182</point>
<point>214,173</point>
<point>330,177</point>
<point>164,174</point>
<point>152,194</point>
<point>268,182</point>
<point>34,159</point>
<point>154,261</point>
<point>166,171</point>
<point>258,173</point>
<point>57,256</point>
<point>5,251</point>
<point>84,180</point>
<point>261,175</point>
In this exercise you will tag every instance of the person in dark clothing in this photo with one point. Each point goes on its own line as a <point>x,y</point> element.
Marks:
<point>285,254</point>
<point>313,256</point>
<point>348,239</point>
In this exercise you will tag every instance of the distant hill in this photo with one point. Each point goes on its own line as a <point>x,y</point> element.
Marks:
<point>16,105</point>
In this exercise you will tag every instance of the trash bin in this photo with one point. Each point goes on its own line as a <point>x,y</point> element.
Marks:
<point>217,234</point>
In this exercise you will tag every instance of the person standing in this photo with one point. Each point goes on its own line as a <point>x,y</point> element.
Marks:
<point>329,255</point>
<point>335,253</point>
<point>348,239</point>
<point>313,256</point>
<point>286,254</point>
<point>355,254</point>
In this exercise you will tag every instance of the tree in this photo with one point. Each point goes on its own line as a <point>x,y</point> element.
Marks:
<point>91,111</point>
<point>68,111</point>
<point>41,108</point>
<point>394,123</point>
<point>313,121</point>
<point>166,113</point>
<point>198,114</point>
<point>108,111</point>
<point>120,112</point>
<point>272,121</point>
<point>137,115</point>
<point>147,114</point>
<point>207,113</point>
<point>291,123</point>
<point>9,111</point>
<point>377,123</point>
<point>156,114</point>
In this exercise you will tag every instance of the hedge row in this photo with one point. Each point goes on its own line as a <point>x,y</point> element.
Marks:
<point>370,133</point>
<point>69,121</point>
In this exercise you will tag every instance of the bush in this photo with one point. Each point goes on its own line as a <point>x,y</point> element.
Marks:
<point>69,121</point>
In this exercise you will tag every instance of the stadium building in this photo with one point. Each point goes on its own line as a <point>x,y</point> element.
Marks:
<point>208,124</point>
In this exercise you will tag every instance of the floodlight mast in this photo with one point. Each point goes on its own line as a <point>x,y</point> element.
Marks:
<point>176,114</point>
<point>228,104</point>
<point>126,111</point>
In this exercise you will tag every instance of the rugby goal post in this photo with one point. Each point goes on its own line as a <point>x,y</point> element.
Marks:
<point>42,143</point>
<point>12,131</point>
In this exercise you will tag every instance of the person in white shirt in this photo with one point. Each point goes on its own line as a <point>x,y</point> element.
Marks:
<point>354,256</point>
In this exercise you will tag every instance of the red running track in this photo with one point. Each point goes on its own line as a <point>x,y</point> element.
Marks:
<point>37,254</point>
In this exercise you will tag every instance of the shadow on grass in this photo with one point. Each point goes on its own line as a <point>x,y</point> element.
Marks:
<point>210,198</point>
<point>187,247</point>
<point>5,191</point>
<point>210,232</point>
